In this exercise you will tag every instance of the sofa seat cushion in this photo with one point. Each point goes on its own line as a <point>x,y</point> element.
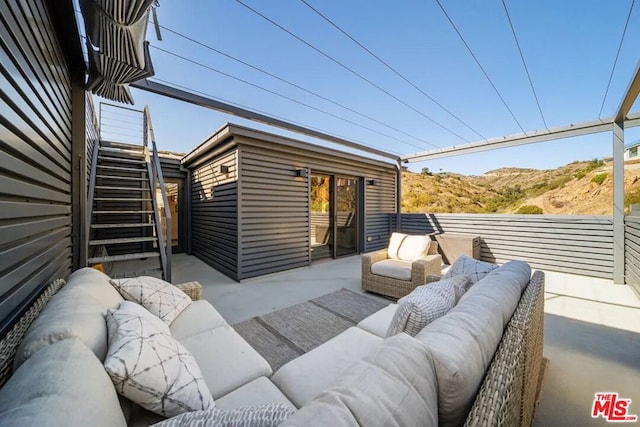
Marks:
<point>64,384</point>
<point>394,385</point>
<point>227,361</point>
<point>148,366</point>
<point>77,310</point>
<point>394,268</point>
<point>161,298</point>
<point>196,318</point>
<point>378,322</point>
<point>257,392</point>
<point>414,248</point>
<point>307,375</point>
<point>463,342</point>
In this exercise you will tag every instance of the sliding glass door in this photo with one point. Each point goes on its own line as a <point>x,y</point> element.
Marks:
<point>334,215</point>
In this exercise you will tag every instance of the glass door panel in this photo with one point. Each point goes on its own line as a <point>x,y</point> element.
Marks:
<point>321,217</point>
<point>346,215</point>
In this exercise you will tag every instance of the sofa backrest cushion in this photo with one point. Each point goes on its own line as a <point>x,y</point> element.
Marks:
<point>77,310</point>
<point>64,384</point>
<point>394,385</point>
<point>414,247</point>
<point>462,342</point>
<point>394,245</point>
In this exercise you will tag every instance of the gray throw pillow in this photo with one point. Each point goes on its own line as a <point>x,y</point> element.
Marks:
<point>471,267</point>
<point>425,304</point>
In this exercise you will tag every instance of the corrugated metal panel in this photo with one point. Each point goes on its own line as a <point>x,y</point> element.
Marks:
<point>571,244</point>
<point>171,168</point>
<point>214,213</point>
<point>632,251</point>
<point>92,132</point>
<point>35,157</point>
<point>274,203</point>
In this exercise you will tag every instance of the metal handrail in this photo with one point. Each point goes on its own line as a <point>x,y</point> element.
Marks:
<point>155,171</point>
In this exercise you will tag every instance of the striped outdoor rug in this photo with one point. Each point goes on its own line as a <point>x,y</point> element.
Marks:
<point>285,334</point>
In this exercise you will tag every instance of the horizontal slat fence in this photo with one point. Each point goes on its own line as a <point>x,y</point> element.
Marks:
<point>632,252</point>
<point>571,244</point>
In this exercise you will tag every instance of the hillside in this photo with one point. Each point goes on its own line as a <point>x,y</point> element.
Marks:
<point>579,188</point>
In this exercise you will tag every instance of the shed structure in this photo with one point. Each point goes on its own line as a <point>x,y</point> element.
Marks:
<point>262,203</point>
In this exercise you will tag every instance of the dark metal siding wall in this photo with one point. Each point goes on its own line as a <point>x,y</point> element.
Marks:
<point>35,156</point>
<point>632,251</point>
<point>214,214</point>
<point>274,204</point>
<point>571,244</point>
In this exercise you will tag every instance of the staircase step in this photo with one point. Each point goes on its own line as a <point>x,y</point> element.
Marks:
<point>130,152</point>
<point>126,178</point>
<point>121,199</point>
<point>109,187</point>
<point>125,257</point>
<point>123,169</point>
<point>146,272</point>
<point>124,225</point>
<point>122,212</point>
<point>122,160</point>
<point>121,240</point>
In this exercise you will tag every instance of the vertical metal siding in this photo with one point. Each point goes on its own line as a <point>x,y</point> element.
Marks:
<point>572,244</point>
<point>632,251</point>
<point>275,203</point>
<point>92,132</point>
<point>35,157</point>
<point>214,211</point>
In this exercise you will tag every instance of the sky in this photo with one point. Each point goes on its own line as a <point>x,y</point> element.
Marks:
<point>569,48</point>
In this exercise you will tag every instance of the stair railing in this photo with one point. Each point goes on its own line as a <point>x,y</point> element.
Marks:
<point>155,173</point>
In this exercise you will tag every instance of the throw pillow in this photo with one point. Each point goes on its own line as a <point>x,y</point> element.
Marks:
<point>422,306</point>
<point>159,297</point>
<point>148,366</point>
<point>268,415</point>
<point>471,267</point>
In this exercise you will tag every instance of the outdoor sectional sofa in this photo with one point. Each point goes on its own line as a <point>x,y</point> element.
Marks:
<point>478,364</point>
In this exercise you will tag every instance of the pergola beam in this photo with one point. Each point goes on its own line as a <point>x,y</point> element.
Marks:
<point>630,97</point>
<point>568,131</point>
<point>203,101</point>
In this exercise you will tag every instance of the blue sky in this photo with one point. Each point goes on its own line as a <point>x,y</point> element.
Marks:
<point>569,47</point>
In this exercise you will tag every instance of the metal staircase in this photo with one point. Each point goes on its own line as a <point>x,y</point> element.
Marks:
<point>125,220</point>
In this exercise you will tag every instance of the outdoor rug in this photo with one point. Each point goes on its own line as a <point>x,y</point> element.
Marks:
<point>285,334</point>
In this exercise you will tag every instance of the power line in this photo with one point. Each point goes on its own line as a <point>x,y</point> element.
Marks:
<point>396,72</point>
<point>615,62</point>
<point>332,59</point>
<point>235,104</point>
<point>288,98</point>
<point>292,84</point>
<point>526,69</point>
<point>479,65</point>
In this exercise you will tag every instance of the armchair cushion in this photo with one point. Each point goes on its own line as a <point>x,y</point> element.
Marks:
<point>394,268</point>
<point>414,248</point>
<point>394,245</point>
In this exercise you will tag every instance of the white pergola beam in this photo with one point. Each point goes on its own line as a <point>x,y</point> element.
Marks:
<point>568,131</point>
<point>630,96</point>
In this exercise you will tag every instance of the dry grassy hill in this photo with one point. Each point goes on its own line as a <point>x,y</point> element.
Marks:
<point>579,188</point>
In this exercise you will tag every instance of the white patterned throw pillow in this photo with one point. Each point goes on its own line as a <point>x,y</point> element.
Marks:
<point>148,366</point>
<point>268,415</point>
<point>424,305</point>
<point>471,267</point>
<point>161,298</point>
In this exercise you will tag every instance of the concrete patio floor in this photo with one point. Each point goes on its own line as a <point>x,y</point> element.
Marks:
<point>591,337</point>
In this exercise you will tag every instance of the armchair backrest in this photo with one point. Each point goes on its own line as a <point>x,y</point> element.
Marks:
<point>410,247</point>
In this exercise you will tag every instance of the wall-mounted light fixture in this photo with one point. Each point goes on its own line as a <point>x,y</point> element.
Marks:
<point>224,169</point>
<point>302,173</point>
<point>372,182</point>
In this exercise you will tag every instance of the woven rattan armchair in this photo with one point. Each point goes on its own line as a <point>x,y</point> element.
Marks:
<point>423,270</point>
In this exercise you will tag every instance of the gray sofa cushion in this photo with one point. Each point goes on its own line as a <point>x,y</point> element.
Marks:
<point>463,342</point>
<point>306,376</point>
<point>378,323</point>
<point>64,384</point>
<point>394,385</point>
<point>257,392</point>
<point>200,316</point>
<point>77,310</point>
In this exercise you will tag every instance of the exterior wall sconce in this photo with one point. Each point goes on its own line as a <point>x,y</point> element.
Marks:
<point>224,169</point>
<point>302,173</point>
<point>372,182</point>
